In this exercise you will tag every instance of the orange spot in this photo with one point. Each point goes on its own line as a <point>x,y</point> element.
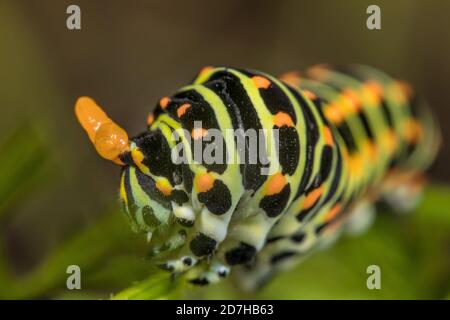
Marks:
<point>351,100</point>
<point>292,78</point>
<point>283,119</point>
<point>375,87</point>
<point>150,118</point>
<point>198,133</point>
<point>312,197</point>
<point>390,140</point>
<point>328,136</point>
<point>164,187</point>
<point>261,82</point>
<point>405,88</point>
<point>372,91</point>
<point>333,212</point>
<point>371,150</point>
<point>309,94</point>
<point>108,138</point>
<point>413,130</point>
<point>333,113</point>
<point>205,182</point>
<point>164,102</point>
<point>182,109</point>
<point>345,154</point>
<point>318,72</point>
<point>356,165</point>
<point>205,69</point>
<point>275,184</point>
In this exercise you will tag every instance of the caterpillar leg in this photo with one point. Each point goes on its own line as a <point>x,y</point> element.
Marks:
<point>403,192</point>
<point>244,241</point>
<point>361,217</point>
<point>213,273</point>
<point>276,256</point>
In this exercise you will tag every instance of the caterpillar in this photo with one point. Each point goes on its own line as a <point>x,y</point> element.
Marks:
<point>333,142</point>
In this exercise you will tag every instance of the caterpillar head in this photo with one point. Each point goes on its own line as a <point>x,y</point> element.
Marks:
<point>148,175</point>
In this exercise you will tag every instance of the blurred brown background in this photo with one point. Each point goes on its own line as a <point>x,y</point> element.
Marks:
<point>130,53</point>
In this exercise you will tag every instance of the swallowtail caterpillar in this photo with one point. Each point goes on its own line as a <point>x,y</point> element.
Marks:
<point>346,138</point>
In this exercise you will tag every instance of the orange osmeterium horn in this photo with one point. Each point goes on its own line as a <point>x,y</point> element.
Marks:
<point>108,138</point>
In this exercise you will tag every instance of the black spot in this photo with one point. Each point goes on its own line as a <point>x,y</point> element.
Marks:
<point>240,255</point>
<point>157,153</point>
<point>303,214</point>
<point>274,239</point>
<point>126,158</point>
<point>187,177</point>
<point>149,186</point>
<point>276,100</point>
<point>348,137</point>
<point>222,273</point>
<point>185,222</point>
<point>182,233</point>
<point>288,149</point>
<point>199,281</point>
<point>166,267</point>
<point>336,178</point>
<point>275,204</point>
<point>319,228</point>
<point>312,136</point>
<point>282,256</point>
<point>179,196</point>
<point>218,199</point>
<point>187,261</point>
<point>202,245</point>
<point>326,162</point>
<point>298,237</point>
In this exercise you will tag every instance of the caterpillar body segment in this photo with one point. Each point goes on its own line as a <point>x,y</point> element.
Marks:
<point>298,160</point>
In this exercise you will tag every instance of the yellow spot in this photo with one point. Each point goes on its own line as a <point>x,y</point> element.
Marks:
<point>292,78</point>
<point>138,157</point>
<point>312,197</point>
<point>275,184</point>
<point>283,119</point>
<point>205,182</point>
<point>413,130</point>
<point>333,113</point>
<point>356,165</point>
<point>123,193</point>
<point>371,150</point>
<point>164,102</point>
<point>108,138</point>
<point>198,133</point>
<point>164,186</point>
<point>182,109</point>
<point>351,101</point>
<point>372,91</point>
<point>261,82</point>
<point>390,140</point>
<point>398,93</point>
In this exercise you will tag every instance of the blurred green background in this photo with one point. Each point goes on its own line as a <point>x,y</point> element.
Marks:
<point>58,198</point>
